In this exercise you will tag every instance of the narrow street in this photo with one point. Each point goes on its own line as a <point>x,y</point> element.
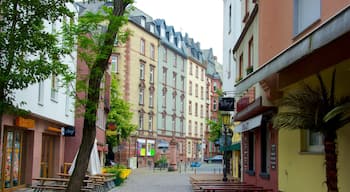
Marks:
<point>149,180</point>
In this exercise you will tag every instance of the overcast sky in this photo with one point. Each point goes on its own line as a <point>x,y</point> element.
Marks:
<point>201,19</point>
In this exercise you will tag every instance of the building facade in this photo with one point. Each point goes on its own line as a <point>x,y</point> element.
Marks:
<point>171,91</point>
<point>298,39</point>
<point>136,64</point>
<point>213,87</point>
<point>195,101</point>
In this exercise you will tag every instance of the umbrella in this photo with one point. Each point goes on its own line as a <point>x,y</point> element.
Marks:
<point>94,163</point>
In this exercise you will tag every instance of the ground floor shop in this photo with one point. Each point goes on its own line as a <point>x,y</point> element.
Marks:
<point>30,147</point>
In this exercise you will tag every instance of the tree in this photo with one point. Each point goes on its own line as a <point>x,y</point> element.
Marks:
<point>215,129</point>
<point>96,36</point>
<point>317,109</point>
<point>28,53</point>
<point>119,115</point>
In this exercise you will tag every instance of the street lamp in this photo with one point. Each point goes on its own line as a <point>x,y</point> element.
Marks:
<point>226,120</point>
<point>226,105</point>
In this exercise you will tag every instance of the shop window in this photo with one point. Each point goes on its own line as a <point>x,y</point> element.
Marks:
<point>314,141</point>
<point>251,156</point>
<point>264,161</point>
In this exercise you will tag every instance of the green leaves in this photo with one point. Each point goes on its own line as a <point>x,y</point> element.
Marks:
<point>120,115</point>
<point>30,52</point>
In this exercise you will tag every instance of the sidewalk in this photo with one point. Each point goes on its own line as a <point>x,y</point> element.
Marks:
<point>149,180</point>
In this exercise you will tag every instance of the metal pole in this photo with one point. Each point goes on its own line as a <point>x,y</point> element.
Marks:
<point>225,155</point>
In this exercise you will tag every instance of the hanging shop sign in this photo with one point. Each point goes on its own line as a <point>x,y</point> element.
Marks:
<point>68,131</point>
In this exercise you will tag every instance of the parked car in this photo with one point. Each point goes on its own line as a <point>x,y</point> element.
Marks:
<point>214,159</point>
<point>195,164</point>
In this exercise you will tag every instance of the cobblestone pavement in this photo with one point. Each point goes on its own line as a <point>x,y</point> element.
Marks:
<point>149,180</point>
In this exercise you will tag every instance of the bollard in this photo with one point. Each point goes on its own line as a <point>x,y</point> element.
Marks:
<point>195,171</point>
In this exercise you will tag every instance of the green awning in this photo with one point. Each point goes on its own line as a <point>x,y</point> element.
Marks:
<point>233,147</point>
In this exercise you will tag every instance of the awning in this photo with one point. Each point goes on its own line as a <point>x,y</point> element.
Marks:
<point>233,147</point>
<point>249,124</point>
<point>324,34</point>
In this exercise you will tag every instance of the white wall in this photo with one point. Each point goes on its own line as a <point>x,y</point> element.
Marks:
<point>230,37</point>
<point>54,110</point>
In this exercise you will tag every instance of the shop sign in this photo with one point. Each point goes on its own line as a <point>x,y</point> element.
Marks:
<point>68,131</point>
<point>27,123</point>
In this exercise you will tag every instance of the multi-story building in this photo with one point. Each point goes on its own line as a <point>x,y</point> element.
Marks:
<point>32,146</point>
<point>213,86</point>
<point>171,91</point>
<point>136,64</point>
<point>254,110</point>
<point>195,101</point>
<point>295,41</point>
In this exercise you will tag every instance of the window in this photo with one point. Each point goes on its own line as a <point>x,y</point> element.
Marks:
<point>151,74</point>
<point>182,126</point>
<point>174,80</point>
<point>182,83</point>
<point>163,121</point>
<point>190,127</point>
<point>175,63</point>
<point>251,151</point>
<point>41,93</point>
<point>114,63</point>
<point>54,87</point>
<point>142,46</point>
<point>190,88</point>
<point>190,107</point>
<point>202,112</point>
<point>174,103</point>
<point>151,28</point>
<point>143,22</point>
<point>240,72</point>
<point>183,65</point>
<point>215,105</point>
<point>196,109</point>
<point>250,53</point>
<point>201,129</point>
<point>182,106</point>
<point>164,75</point>
<point>152,52</point>
<point>306,12</point>
<point>229,19</point>
<point>140,121</point>
<point>314,141</point>
<point>171,38</point>
<point>141,96</point>
<point>196,90</point>
<point>173,124</point>
<point>229,64</point>
<point>142,71</point>
<point>264,149</point>
<point>195,128</point>
<point>189,147</point>
<point>162,32</point>
<point>150,123</point>
<point>202,74</point>
<point>215,86</point>
<point>191,66</point>
<point>67,104</point>
<point>151,99</point>
<point>165,54</point>
<point>164,99</point>
<point>202,92</point>
<point>197,71</point>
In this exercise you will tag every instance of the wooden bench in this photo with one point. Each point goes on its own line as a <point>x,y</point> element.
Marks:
<point>57,184</point>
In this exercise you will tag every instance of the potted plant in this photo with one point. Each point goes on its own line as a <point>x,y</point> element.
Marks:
<point>249,69</point>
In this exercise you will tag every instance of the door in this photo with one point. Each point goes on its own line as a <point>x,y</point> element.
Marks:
<point>47,156</point>
<point>12,159</point>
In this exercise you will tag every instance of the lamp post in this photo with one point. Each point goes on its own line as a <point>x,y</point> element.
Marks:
<point>226,105</point>
<point>225,121</point>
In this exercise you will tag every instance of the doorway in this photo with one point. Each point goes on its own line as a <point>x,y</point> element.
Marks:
<point>48,156</point>
<point>12,174</point>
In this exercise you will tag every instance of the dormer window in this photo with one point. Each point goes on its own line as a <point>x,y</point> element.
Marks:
<point>143,22</point>
<point>179,44</point>
<point>151,28</point>
<point>171,38</point>
<point>162,32</point>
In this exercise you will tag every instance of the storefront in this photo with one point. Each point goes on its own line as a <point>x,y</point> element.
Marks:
<point>31,147</point>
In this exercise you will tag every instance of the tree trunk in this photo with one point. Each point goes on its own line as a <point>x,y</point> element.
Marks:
<point>331,161</point>
<point>96,73</point>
